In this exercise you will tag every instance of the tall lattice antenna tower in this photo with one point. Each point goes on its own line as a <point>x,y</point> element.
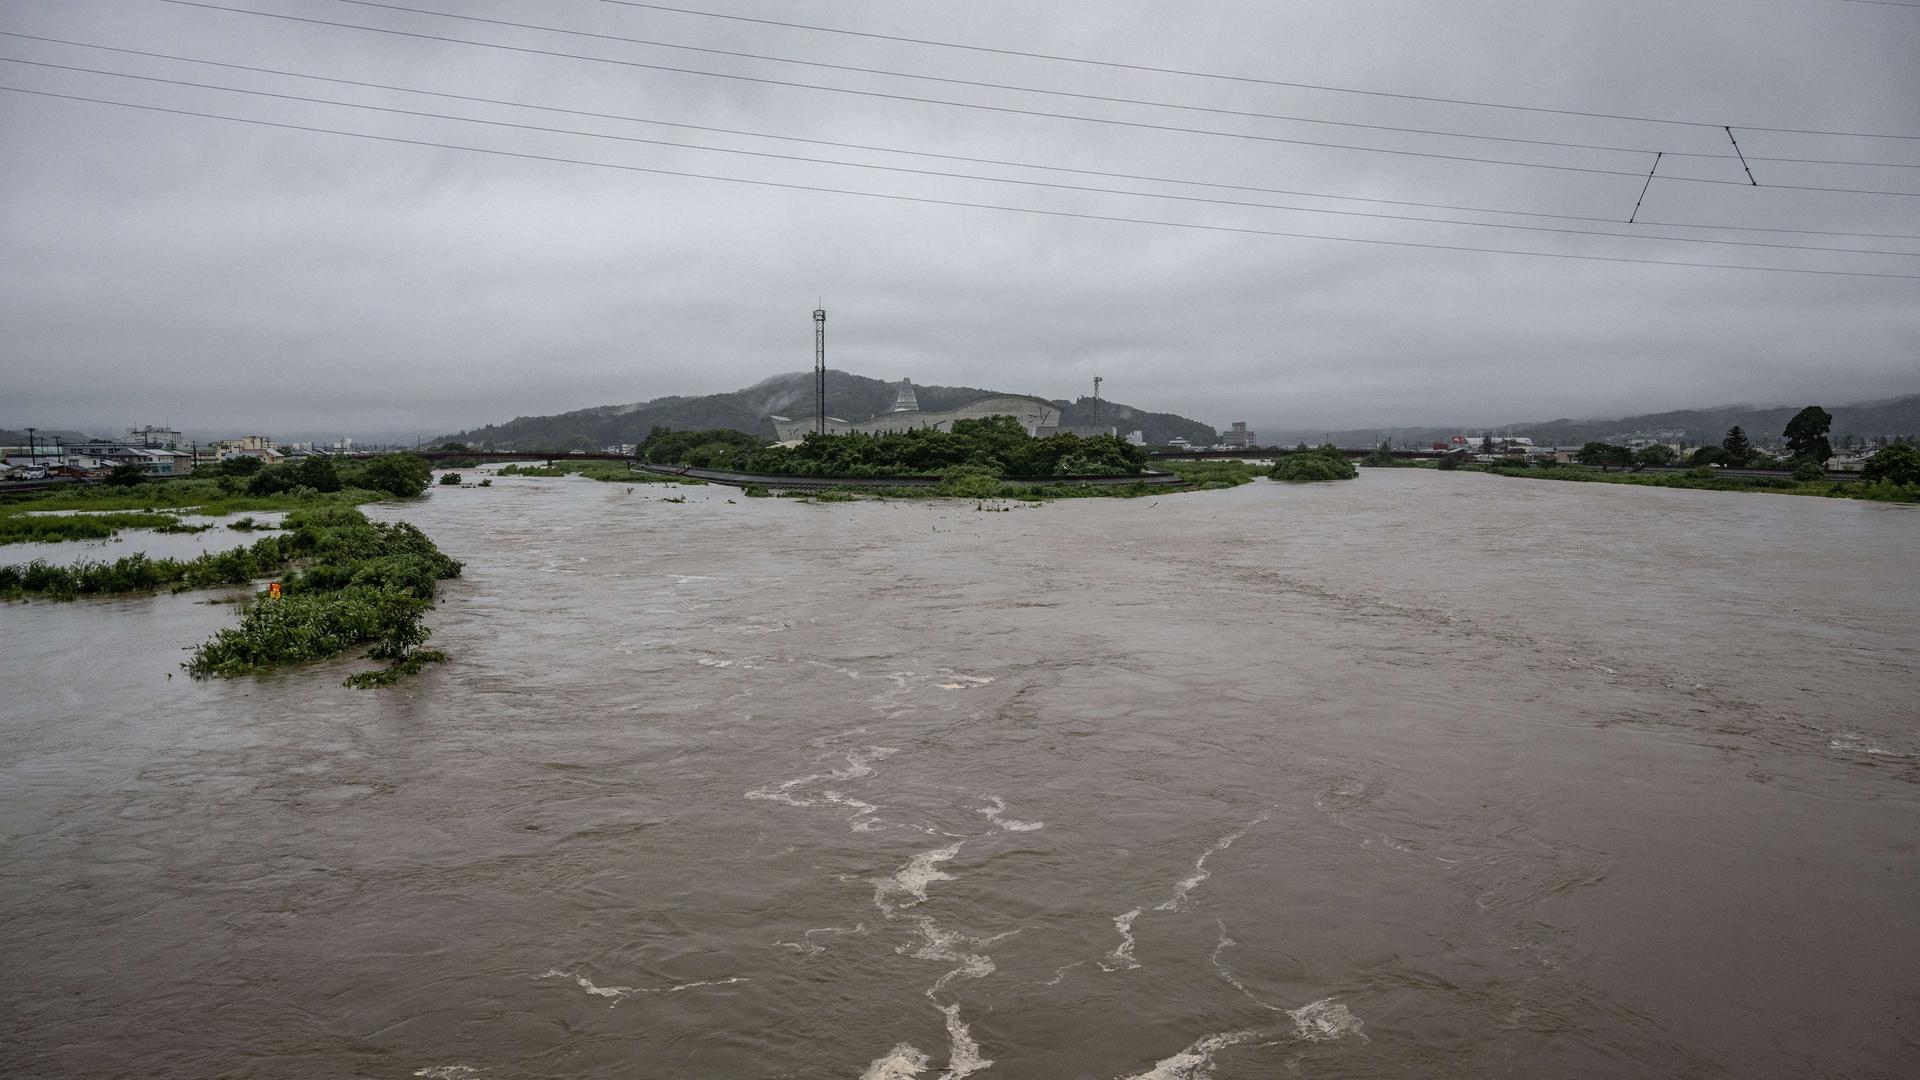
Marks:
<point>820,370</point>
<point>1096,389</point>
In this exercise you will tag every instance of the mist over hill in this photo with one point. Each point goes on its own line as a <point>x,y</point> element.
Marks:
<point>1763,424</point>
<point>849,396</point>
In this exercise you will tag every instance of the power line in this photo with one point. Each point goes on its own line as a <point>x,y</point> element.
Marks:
<point>926,200</point>
<point>1010,110</point>
<point>1007,109</point>
<point>1261,82</point>
<point>1108,98</point>
<point>953,175</point>
<point>950,157</point>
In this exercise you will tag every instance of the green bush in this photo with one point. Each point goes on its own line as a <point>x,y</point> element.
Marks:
<point>1448,462</point>
<point>969,482</point>
<point>1809,472</point>
<point>451,479</point>
<point>1895,464</point>
<point>1313,467</point>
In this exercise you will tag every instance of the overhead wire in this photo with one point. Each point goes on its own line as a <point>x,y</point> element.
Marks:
<point>1107,98</point>
<point>959,203</point>
<point>1111,174</point>
<point>1211,132</point>
<point>1156,69</point>
<point>974,160</point>
<point>947,174</point>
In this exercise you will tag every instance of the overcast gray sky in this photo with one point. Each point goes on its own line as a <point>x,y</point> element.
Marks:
<point>223,276</point>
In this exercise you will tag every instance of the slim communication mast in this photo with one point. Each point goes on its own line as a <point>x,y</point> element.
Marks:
<point>1096,389</point>
<point>820,370</point>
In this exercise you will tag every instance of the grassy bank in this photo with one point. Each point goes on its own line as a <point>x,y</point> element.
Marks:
<point>348,582</point>
<point>1708,480</point>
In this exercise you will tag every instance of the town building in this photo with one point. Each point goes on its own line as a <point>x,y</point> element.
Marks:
<point>1237,437</point>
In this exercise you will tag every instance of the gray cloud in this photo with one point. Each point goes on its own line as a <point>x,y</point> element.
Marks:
<point>224,276</point>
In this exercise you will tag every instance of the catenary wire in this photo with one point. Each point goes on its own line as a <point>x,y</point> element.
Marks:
<point>949,157</point>
<point>946,174</point>
<point>1108,98</point>
<point>927,200</point>
<point>1263,82</point>
<point>1007,109</point>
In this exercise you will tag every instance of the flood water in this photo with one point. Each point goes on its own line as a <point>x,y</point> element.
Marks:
<point>1418,775</point>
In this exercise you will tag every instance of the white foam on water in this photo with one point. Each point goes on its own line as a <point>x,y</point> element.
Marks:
<point>805,944</point>
<point>617,993</point>
<point>1061,973</point>
<point>859,766</point>
<point>447,1072</point>
<point>708,661</point>
<point>1854,743</point>
<point>622,993</point>
<point>1324,1021</point>
<point>911,880</point>
<point>999,807</point>
<point>1196,1061</point>
<point>1200,872</point>
<point>953,947</point>
<point>963,1054</point>
<point>1121,958</point>
<point>903,1062</point>
<point>957,681</point>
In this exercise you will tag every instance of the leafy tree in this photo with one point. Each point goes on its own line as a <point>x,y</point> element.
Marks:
<point>1486,443</point>
<point>318,473</point>
<point>1898,463</point>
<point>1706,456</point>
<point>395,474</point>
<point>1655,456</point>
<point>128,475</point>
<point>1604,455</point>
<point>1448,462</point>
<point>456,447</point>
<point>451,479</point>
<point>241,465</point>
<point>1806,435</point>
<point>1739,450</point>
<point>1379,455</point>
<point>1809,470</point>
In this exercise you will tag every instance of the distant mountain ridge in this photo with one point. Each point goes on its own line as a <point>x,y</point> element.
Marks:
<point>1763,424</point>
<point>849,396</point>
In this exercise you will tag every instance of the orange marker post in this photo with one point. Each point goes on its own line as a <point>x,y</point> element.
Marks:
<point>273,591</point>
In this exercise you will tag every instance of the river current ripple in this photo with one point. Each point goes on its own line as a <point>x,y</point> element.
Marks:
<point>1418,775</point>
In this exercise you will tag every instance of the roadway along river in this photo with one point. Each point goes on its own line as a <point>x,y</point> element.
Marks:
<point>1419,775</point>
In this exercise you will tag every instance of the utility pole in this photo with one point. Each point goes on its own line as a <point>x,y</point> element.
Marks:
<point>820,370</point>
<point>33,448</point>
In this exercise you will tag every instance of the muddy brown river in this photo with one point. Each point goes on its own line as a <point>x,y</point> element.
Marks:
<point>1421,775</point>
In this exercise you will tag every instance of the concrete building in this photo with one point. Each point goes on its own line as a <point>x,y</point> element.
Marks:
<point>255,446</point>
<point>1238,437</point>
<point>157,438</point>
<point>1039,418</point>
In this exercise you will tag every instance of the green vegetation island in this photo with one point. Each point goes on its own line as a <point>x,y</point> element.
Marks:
<point>989,457</point>
<point>348,582</point>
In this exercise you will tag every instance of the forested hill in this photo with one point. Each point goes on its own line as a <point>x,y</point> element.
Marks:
<point>1893,416</point>
<point>850,397</point>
